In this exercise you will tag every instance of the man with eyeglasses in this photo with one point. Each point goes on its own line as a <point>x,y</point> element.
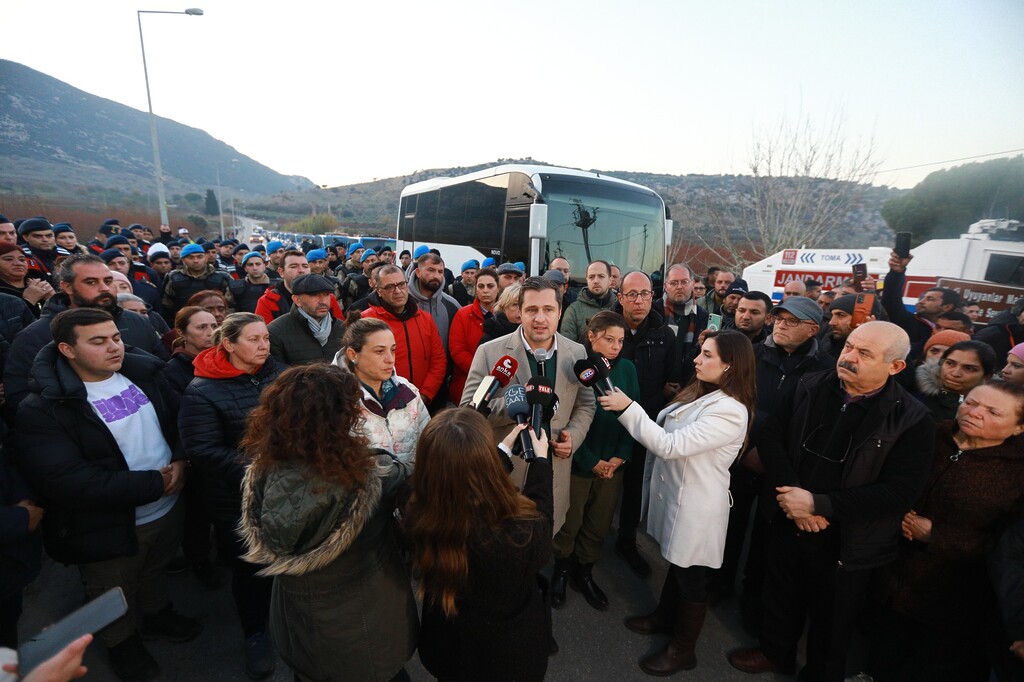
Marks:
<point>650,344</point>
<point>790,352</point>
<point>419,354</point>
<point>846,455</point>
<point>682,312</point>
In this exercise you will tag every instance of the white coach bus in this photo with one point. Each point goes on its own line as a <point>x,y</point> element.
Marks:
<point>534,214</point>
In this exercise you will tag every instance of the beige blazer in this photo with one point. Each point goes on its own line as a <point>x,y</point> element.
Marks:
<point>576,404</point>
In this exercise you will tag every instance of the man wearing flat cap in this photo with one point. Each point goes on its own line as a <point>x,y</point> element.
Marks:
<point>309,332</point>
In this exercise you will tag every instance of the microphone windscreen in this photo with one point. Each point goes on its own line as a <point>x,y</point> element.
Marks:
<point>540,391</point>
<point>585,372</point>
<point>515,401</point>
<point>601,365</point>
<point>504,369</point>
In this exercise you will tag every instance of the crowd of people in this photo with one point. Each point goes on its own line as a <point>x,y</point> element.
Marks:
<point>385,458</point>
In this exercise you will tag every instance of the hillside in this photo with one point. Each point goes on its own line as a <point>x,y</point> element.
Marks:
<point>49,129</point>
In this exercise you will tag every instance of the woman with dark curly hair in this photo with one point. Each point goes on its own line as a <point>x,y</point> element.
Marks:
<point>478,547</point>
<point>316,508</point>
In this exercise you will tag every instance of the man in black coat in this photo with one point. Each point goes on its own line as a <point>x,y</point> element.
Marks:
<point>98,443</point>
<point>845,458</point>
<point>86,282</point>
<point>650,345</point>
<point>921,324</point>
<point>308,332</point>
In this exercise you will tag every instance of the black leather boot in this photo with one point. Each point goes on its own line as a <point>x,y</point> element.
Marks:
<point>560,578</point>
<point>583,581</point>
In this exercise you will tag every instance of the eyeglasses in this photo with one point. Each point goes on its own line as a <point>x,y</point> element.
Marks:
<point>643,295</point>
<point>790,321</point>
<point>679,282</point>
<point>818,440</point>
<point>397,286</point>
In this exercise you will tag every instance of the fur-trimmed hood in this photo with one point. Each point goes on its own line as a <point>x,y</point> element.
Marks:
<point>928,381</point>
<point>295,524</point>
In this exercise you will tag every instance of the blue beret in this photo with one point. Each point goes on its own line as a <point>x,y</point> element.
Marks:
<point>521,265</point>
<point>274,246</point>
<point>355,246</point>
<point>115,240</point>
<point>34,225</point>
<point>316,254</point>
<point>251,254</point>
<point>421,250</point>
<point>110,254</point>
<point>488,263</point>
<point>192,249</point>
<point>470,265</point>
<point>367,254</point>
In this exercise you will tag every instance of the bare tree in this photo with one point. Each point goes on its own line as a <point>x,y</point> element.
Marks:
<point>803,184</point>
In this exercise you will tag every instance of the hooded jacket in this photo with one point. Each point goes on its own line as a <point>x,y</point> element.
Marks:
<point>136,332</point>
<point>574,322</point>
<point>420,357</point>
<point>212,418</point>
<point>941,403</point>
<point>437,304</point>
<point>71,459</point>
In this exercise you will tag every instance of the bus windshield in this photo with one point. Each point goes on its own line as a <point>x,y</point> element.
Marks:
<point>591,220</point>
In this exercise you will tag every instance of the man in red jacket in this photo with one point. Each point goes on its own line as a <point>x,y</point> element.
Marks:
<point>419,354</point>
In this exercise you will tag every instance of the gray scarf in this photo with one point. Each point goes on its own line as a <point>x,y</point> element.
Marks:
<point>321,330</point>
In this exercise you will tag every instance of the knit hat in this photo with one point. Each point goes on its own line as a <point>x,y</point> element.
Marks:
<point>120,276</point>
<point>34,225</point>
<point>61,228</point>
<point>157,254</point>
<point>471,264</point>
<point>945,337</point>
<point>844,303</point>
<point>488,263</point>
<point>156,248</point>
<point>739,286</point>
<point>192,249</point>
<point>110,254</point>
<point>421,250</point>
<point>114,241</point>
<point>252,254</point>
<point>366,254</point>
<point>1018,350</point>
<point>316,254</point>
<point>274,246</point>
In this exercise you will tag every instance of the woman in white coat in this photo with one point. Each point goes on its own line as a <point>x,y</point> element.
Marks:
<point>690,449</point>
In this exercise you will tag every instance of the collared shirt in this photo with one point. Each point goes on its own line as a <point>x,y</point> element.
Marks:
<point>529,348</point>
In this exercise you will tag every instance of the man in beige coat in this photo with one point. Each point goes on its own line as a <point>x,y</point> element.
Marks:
<point>540,306</point>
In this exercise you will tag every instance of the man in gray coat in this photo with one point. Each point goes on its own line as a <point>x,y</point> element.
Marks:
<point>540,305</point>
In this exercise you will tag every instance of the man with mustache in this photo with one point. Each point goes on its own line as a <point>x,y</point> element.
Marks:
<point>845,457</point>
<point>85,282</point>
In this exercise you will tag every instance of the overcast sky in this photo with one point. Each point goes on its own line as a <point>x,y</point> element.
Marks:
<point>349,91</point>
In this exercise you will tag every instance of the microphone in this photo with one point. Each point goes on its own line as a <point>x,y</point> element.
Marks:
<point>502,372</point>
<point>587,375</point>
<point>604,370</point>
<point>541,356</point>
<point>540,394</point>
<point>517,408</point>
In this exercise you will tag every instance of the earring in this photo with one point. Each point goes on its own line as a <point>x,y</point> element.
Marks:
<point>726,369</point>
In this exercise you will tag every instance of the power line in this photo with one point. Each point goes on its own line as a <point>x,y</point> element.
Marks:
<point>939,163</point>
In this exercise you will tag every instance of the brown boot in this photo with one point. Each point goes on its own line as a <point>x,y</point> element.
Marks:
<point>680,654</point>
<point>659,621</point>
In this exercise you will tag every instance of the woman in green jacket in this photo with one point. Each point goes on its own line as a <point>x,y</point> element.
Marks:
<point>317,507</point>
<point>596,473</point>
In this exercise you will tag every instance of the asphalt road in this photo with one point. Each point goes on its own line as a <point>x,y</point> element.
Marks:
<point>594,645</point>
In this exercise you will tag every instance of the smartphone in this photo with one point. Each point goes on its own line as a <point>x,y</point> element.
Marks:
<point>862,307</point>
<point>903,244</point>
<point>91,618</point>
<point>714,322</point>
<point>860,273</point>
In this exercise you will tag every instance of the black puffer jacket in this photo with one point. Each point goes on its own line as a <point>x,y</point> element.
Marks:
<point>212,422</point>
<point>179,372</point>
<point>778,372</point>
<point>136,331</point>
<point>497,326</point>
<point>15,315</point>
<point>73,463</point>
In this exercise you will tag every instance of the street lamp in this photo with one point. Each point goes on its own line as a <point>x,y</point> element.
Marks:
<point>161,197</point>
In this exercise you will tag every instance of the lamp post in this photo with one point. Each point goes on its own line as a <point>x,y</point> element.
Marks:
<point>158,171</point>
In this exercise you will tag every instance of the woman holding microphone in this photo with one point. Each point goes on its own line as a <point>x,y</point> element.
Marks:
<point>690,449</point>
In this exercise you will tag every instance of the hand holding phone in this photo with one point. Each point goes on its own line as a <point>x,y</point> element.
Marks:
<point>862,309</point>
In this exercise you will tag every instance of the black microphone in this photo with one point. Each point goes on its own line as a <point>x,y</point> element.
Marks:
<point>587,375</point>
<point>517,408</point>
<point>540,394</point>
<point>604,370</point>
